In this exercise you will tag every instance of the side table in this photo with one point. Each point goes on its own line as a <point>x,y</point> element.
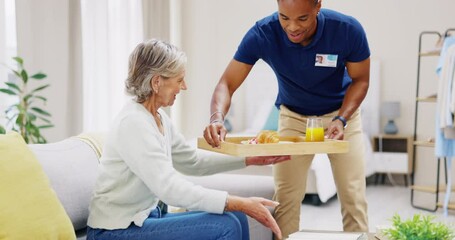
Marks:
<point>393,154</point>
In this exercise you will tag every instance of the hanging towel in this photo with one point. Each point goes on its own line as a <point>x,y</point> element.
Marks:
<point>448,41</point>
<point>444,145</point>
<point>445,112</point>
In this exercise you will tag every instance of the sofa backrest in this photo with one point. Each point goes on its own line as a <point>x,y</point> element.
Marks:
<point>72,168</point>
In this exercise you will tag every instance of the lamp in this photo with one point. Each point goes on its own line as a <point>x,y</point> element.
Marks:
<point>391,110</point>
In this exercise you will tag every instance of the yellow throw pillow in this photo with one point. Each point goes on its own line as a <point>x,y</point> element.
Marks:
<point>29,208</point>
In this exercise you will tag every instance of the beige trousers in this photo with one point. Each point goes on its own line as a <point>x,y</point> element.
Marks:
<point>348,172</point>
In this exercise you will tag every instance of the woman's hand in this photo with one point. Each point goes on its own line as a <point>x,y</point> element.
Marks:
<point>215,133</point>
<point>266,160</point>
<point>256,208</point>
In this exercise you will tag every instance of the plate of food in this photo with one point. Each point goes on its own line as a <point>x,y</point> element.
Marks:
<point>269,143</point>
<point>279,142</point>
<point>265,137</point>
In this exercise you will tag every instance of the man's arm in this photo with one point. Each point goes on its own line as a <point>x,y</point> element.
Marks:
<point>360,75</point>
<point>232,78</point>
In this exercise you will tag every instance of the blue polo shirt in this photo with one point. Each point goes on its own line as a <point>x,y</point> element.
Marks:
<point>306,86</point>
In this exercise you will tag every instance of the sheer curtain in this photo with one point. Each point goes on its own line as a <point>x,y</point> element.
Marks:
<point>3,74</point>
<point>110,31</point>
<point>8,47</point>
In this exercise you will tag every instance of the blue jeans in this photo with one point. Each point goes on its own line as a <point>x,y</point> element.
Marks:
<point>185,225</point>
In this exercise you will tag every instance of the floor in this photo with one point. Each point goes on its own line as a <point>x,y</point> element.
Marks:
<point>383,202</point>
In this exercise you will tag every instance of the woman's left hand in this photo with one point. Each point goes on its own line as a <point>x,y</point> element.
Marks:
<point>266,160</point>
<point>255,207</point>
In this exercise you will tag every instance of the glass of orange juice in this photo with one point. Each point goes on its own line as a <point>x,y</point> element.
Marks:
<point>314,130</point>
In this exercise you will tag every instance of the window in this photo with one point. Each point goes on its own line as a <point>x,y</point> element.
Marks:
<point>8,49</point>
<point>110,31</point>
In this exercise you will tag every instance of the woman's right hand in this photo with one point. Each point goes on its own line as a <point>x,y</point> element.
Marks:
<point>255,207</point>
<point>215,133</point>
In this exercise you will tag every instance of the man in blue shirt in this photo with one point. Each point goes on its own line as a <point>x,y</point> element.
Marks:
<point>321,60</point>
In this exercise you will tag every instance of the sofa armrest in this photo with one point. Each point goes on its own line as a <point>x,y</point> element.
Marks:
<point>72,168</point>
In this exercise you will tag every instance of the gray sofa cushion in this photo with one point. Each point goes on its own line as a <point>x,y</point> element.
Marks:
<point>72,168</point>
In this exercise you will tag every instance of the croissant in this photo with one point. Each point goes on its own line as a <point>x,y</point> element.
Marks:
<point>267,136</point>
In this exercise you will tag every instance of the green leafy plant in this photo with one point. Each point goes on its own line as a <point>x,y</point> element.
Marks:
<point>23,115</point>
<point>419,227</point>
<point>2,130</point>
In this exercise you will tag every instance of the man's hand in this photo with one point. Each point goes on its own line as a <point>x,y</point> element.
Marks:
<point>335,130</point>
<point>215,133</point>
<point>266,160</point>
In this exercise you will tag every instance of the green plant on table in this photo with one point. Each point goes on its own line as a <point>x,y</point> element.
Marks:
<point>419,227</point>
<point>23,115</point>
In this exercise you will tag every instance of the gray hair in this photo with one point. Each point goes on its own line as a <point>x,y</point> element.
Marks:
<point>149,59</point>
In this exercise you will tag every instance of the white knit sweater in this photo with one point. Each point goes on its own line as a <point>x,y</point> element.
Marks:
<point>139,167</point>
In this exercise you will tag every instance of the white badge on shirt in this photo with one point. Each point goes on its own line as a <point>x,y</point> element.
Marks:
<point>326,60</point>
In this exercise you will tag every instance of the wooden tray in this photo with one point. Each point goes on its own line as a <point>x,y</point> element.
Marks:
<point>287,146</point>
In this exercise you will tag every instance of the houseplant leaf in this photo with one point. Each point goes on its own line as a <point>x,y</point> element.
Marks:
<point>24,116</point>
<point>41,139</point>
<point>19,60</point>
<point>44,119</point>
<point>45,126</point>
<point>11,108</point>
<point>24,76</point>
<point>39,88</point>
<point>2,130</point>
<point>27,98</point>
<point>7,91</point>
<point>41,111</point>
<point>16,73</point>
<point>13,86</point>
<point>39,76</point>
<point>418,228</point>
<point>31,117</point>
<point>40,97</point>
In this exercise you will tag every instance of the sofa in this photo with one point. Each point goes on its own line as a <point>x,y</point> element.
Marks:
<point>72,168</point>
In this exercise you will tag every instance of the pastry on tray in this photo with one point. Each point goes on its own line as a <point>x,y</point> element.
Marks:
<point>265,136</point>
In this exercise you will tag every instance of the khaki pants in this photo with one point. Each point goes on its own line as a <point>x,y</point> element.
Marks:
<point>348,172</point>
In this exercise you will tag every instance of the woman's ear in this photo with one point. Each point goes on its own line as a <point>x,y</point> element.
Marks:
<point>155,83</point>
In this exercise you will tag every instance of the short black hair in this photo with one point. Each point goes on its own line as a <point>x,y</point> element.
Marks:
<point>315,2</point>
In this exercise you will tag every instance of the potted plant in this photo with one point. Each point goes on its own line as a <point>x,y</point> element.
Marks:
<point>419,227</point>
<point>24,116</point>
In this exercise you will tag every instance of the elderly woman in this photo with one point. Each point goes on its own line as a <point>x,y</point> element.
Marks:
<point>141,157</point>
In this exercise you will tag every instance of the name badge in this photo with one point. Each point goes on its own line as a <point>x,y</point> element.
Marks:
<point>326,60</point>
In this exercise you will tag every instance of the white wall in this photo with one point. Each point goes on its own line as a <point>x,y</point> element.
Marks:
<point>211,33</point>
<point>213,29</point>
<point>47,39</point>
<point>393,29</point>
